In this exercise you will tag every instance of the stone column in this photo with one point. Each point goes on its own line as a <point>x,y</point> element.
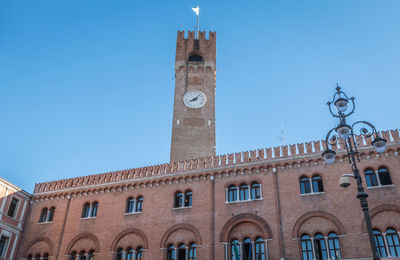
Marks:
<point>386,244</point>
<point>253,251</point>
<point>313,247</point>
<point>328,253</point>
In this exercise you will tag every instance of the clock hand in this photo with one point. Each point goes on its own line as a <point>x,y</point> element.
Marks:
<point>194,99</point>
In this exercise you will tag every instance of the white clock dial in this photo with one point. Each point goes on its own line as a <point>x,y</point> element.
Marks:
<point>194,99</point>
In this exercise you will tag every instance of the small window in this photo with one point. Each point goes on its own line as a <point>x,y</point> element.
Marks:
<point>72,256</point>
<point>50,214</point>
<point>384,176</point>
<point>129,254</point>
<point>195,57</point>
<point>232,193</point>
<point>317,184</point>
<point>119,254</point>
<point>393,242</point>
<point>192,251</point>
<point>43,215</point>
<point>3,245</point>
<point>130,205</point>
<point>37,256</point>
<point>306,248</point>
<point>247,248</point>
<point>235,249</point>
<point>178,199</point>
<point>188,198</point>
<point>13,207</point>
<point>320,247</point>
<point>260,250</point>
<point>379,242</point>
<point>370,178</point>
<point>305,185</point>
<point>29,257</point>
<point>255,191</point>
<point>94,209</point>
<point>90,255</point>
<point>244,191</point>
<point>334,246</point>
<point>86,210</point>
<point>82,255</point>
<point>45,256</point>
<point>139,204</point>
<point>171,253</point>
<point>139,253</point>
<point>181,252</point>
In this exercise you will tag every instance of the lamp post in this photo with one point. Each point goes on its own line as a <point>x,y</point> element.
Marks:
<point>346,133</point>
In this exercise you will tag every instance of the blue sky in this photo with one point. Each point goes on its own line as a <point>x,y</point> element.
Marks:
<point>87,86</point>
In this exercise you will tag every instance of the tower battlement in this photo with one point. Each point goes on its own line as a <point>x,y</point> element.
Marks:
<point>190,36</point>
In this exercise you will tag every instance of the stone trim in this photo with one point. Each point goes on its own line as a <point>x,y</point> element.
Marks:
<point>322,214</point>
<point>37,240</point>
<point>83,235</point>
<point>130,231</point>
<point>188,227</point>
<point>378,209</point>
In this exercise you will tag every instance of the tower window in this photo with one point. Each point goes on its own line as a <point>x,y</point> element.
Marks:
<point>195,57</point>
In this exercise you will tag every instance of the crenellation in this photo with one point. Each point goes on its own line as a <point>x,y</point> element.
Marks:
<point>238,158</point>
<point>386,135</point>
<point>277,152</point>
<point>285,151</point>
<point>253,155</point>
<point>309,147</point>
<point>300,148</point>
<point>261,154</point>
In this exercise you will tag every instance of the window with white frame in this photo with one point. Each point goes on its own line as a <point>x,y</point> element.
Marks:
<point>90,210</point>
<point>47,215</point>
<point>134,205</point>
<point>320,246</point>
<point>181,251</point>
<point>243,192</point>
<point>378,178</point>
<point>4,241</point>
<point>12,209</point>
<point>311,185</point>
<point>387,244</point>
<point>246,249</point>
<point>183,200</point>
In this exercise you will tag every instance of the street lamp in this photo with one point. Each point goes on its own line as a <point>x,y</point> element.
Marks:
<point>345,132</point>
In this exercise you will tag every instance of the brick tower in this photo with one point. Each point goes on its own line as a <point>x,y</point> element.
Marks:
<point>193,125</point>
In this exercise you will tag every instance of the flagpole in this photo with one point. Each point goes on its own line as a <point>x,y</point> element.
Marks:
<point>197,26</point>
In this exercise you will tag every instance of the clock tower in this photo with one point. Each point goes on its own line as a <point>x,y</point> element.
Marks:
<point>193,123</point>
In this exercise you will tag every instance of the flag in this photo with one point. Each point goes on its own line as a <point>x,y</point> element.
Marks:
<point>196,10</point>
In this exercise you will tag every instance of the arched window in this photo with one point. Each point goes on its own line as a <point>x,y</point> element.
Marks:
<point>171,253</point>
<point>90,255</point>
<point>235,249</point>
<point>29,257</point>
<point>119,255</point>
<point>255,191</point>
<point>232,193</point>
<point>45,256</point>
<point>72,256</point>
<point>195,57</point>
<point>334,246</point>
<point>94,209</point>
<point>370,178</point>
<point>304,185</point>
<point>320,247</point>
<point>384,176</point>
<point>139,204</point>
<point>50,214</point>
<point>43,215</point>
<point>244,191</point>
<point>260,251</point>
<point>306,248</point>
<point>317,184</point>
<point>181,252</point>
<point>86,210</point>
<point>178,199</point>
<point>82,255</point>
<point>192,251</point>
<point>247,249</point>
<point>130,205</point>
<point>129,254</point>
<point>380,244</point>
<point>393,242</point>
<point>37,256</point>
<point>139,253</point>
<point>188,198</point>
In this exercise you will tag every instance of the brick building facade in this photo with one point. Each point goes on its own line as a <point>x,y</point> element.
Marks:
<point>274,203</point>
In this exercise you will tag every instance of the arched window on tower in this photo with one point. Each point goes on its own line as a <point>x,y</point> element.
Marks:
<point>178,201</point>
<point>306,248</point>
<point>95,206</point>
<point>334,246</point>
<point>139,204</point>
<point>259,248</point>
<point>192,251</point>
<point>43,215</point>
<point>195,57</point>
<point>393,242</point>
<point>305,185</point>
<point>370,177</point>
<point>384,176</point>
<point>232,193</point>
<point>320,247</point>
<point>317,184</point>
<point>188,198</point>
<point>379,242</point>
<point>130,205</point>
<point>244,191</point>
<point>255,191</point>
<point>86,210</point>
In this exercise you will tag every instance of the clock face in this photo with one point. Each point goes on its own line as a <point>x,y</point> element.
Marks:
<point>194,99</point>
